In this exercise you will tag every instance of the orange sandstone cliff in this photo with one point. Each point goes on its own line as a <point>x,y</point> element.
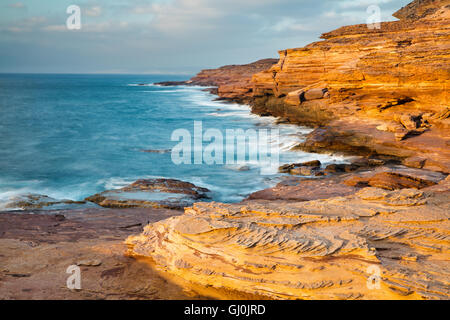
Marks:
<point>382,91</point>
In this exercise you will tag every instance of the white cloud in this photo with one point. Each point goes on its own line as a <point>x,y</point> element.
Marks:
<point>361,3</point>
<point>55,27</point>
<point>94,11</point>
<point>288,24</point>
<point>17,5</point>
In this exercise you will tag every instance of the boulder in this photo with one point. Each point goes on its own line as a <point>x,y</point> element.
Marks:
<point>151,193</point>
<point>315,94</point>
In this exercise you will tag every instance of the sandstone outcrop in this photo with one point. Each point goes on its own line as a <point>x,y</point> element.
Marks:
<point>151,193</point>
<point>384,90</point>
<point>316,249</point>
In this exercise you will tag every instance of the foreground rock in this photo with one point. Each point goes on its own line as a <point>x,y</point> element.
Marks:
<point>37,249</point>
<point>325,248</point>
<point>151,193</point>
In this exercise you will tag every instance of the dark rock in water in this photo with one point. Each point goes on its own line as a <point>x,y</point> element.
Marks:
<point>151,193</point>
<point>304,169</point>
<point>314,163</point>
<point>41,202</point>
<point>157,151</point>
<point>336,168</point>
<point>171,83</point>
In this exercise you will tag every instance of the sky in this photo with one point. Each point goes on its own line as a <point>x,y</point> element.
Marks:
<point>166,36</point>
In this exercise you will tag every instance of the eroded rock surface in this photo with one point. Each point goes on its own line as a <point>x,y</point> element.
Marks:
<point>373,91</point>
<point>324,246</point>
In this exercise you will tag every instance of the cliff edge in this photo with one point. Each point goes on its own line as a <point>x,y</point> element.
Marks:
<point>373,91</point>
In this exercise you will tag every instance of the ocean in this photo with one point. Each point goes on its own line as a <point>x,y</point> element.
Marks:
<point>71,136</point>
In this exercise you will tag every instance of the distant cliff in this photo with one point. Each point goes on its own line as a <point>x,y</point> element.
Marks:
<point>232,82</point>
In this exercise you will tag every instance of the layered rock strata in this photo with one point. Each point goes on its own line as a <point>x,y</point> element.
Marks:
<point>317,249</point>
<point>231,82</point>
<point>383,91</point>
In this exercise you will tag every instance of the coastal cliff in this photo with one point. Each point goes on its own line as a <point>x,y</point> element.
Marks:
<point>368,91</point>
<point>375,233</point>
<point>377,91</point>
<point>232,82</point>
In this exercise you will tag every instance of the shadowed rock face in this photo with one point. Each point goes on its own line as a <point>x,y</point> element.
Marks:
<point>317,249</point>
<point>151,193</point>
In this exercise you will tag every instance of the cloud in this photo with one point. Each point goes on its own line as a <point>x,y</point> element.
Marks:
<point>288,24</point>
<point>361,3</point>
<point>168,35</point>
<point>55,27</point>
<point>94,11</point>
<point>17,5</point>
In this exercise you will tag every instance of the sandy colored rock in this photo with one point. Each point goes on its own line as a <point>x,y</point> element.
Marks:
<point>318,249</point>
<point>387,88</point>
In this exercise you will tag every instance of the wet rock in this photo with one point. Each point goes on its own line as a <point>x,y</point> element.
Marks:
<point>304,171</point>
<point>41,202</point>
<point>153,193</point>
<point>337,168</point>
<point>313,163</point>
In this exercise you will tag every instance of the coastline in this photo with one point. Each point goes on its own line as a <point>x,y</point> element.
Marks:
<point>321,231</point>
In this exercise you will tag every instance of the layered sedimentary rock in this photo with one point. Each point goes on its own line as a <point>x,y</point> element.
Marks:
<point>317,249</point>
<point>232,82</point>
<point>384,90</point>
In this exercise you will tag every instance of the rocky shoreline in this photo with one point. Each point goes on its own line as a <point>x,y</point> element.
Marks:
<point>380,95</point>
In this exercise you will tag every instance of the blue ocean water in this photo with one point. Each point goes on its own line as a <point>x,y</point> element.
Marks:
<point>71,136</point>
